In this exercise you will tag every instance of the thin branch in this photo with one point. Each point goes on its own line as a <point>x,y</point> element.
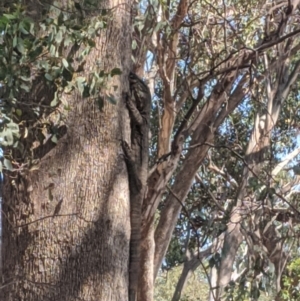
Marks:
<point>210,193</point>
<point>187,214</point>
<point>277,41</point>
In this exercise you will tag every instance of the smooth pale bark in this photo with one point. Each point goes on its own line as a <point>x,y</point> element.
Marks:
<point>255,158</point>
<point>209,119</point>
<point>146,289</point>
<point>75,246</point>
<point>190,265</point>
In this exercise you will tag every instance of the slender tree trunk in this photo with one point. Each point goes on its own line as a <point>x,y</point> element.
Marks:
<point>66,226</point>
<point>147,251</point>
<point>213,283</point>
<point>190,265</point>
<point>255,158</point>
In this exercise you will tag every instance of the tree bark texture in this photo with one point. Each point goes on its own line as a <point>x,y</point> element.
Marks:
<point>66,226</point>
<point>146,288</point>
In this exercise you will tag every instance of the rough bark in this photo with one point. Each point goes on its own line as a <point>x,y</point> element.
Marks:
<point>146,289</point>
<point>136,156</point>
<point>66,226</point>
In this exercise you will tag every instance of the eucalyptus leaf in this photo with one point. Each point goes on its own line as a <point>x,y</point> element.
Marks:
<point>25,87</point>
<point>8,164</point>
<point>54,139</point>
<point>65,63</point>
<point>58,37</point>
<point>133,45</point>
<point>48,77</point>
<point>20,45</point>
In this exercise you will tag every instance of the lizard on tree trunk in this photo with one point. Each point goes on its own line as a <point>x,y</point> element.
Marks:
<point>136,157</point>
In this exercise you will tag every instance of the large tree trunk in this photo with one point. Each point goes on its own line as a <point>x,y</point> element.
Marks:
<point>66,226</point>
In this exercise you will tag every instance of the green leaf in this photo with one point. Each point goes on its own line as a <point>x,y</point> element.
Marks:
<point>22,26</point>
<point>91,31</point>
<point>13,127</point>
<point>8,136</point>
<point>10,16</point>
<point>20,45</point>
<point>52,50</point>
<point>44,65</point>
<point>49,77</point>
<point>65,63</point>
<point>99,25</point>
<point>58,37</point>
<point>80,79</point>
<point>54,139</point>
<point>69,88</point>
<point>67,41</point>
<point>25,78</point>
<point>133,45</point>
<point>8,164</point>
<point>53,103</point>
<point>253,182</point>
<point>158,26</point>
<point>15,41</point>
<point>80,82</point>
<point>43,26</point>
<point>25,87</point>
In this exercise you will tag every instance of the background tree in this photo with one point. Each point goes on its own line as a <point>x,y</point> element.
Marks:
<point>290,290</point>
<point>238,60</point>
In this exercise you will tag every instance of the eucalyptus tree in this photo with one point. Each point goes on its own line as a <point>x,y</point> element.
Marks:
<point>211,63</point>
<point>219,73</point>
<point>260,45</point>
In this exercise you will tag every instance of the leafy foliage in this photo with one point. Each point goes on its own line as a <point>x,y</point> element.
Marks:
<point>225,123</point>
<point>252,160</point>
<point>291,290</point>
<point>52,51</point>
